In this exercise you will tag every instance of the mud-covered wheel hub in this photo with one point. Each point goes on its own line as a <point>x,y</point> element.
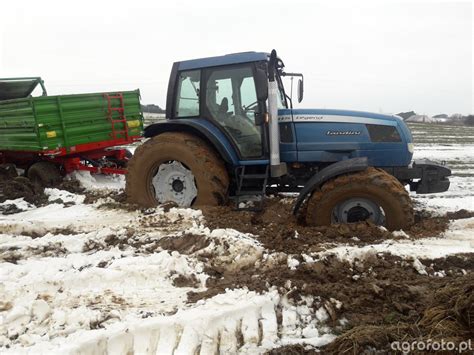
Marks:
<point>357,210</point>
<point>351,197</point>
<point>174,182</point>
<point>176,167</point>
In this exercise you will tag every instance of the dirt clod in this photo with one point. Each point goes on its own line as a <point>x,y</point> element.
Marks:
<point>186,281</point>
<point>186,244</point>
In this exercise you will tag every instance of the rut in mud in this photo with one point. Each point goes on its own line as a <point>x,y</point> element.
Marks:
<point>279,230</point>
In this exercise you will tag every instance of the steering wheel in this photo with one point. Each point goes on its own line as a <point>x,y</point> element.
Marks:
<point>251,106</point>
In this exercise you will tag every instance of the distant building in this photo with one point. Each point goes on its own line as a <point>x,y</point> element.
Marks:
<point>420,119</point>
<point>441,115</point>
<point>406,115</point>
<point>152,108</point>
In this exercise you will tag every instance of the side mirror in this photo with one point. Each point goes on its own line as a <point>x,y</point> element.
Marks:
<point>261,83</point>
<point>300,90</point>
<point>260,114</point>
<point>259,119</point>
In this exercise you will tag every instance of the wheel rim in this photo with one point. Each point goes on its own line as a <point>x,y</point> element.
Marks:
<point>357,210</point>
<point>174,182</point>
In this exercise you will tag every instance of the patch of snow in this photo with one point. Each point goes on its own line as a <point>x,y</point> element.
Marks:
<point>20,203</point>
<point>459,238</point>
<point>401,234</point>
<point>79,217</point>
<point>214,326</point>
<point>78,290</point>
<point>65,196</point>
<point>322,315</point>
<point>98,181</point>
<point>419,267</point>
<point>292,263</point>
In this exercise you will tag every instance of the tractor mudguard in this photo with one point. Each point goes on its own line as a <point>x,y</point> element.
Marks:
<point>333,170</point>
<point>216,139</point>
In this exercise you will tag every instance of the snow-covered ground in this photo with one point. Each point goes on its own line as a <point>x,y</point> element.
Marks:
<point>78,278</point>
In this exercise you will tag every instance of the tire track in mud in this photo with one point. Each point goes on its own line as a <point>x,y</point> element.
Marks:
<point>278,230</point>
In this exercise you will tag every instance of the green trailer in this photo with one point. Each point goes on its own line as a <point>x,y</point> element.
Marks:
<point>66,132</point>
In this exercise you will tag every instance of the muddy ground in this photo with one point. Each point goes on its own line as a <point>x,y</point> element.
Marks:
<point>370,302</point>
<point>384,298</point>
<point>279,230</point>
<point>381,299</point>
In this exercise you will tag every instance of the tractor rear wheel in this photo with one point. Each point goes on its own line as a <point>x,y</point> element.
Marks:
<point>176,167</point>
<point>44,174</point>
<point>372,194</point>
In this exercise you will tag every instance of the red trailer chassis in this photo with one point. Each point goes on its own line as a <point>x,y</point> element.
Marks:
<point>98,157</point>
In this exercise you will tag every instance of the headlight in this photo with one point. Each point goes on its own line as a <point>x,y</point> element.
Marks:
<point>411,147</point>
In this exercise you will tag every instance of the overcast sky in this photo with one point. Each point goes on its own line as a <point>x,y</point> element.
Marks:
<point>376,56</point>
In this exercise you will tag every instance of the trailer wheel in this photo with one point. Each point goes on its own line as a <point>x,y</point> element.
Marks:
<point>372,194</point>
<point>44,173</point>
<point>176,167</point>
<point>8,171</point>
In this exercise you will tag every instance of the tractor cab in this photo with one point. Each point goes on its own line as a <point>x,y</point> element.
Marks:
<point>227,92</point>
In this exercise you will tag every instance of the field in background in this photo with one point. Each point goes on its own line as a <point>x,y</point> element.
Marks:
<point>150,118</point>
<point>453,146</point>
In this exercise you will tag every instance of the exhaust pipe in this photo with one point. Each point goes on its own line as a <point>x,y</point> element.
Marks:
<point>277,168</point>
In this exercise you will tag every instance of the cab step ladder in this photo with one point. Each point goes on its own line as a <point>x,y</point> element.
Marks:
<point>251,185</point>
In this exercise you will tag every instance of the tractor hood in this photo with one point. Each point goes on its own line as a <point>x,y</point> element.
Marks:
<point>345,117</point>
<point>327,135</point>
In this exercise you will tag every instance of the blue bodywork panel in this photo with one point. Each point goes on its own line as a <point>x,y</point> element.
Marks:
<point>322,135</point>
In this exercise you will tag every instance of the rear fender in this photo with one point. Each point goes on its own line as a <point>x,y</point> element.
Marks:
<point>201,128</point>
<point>328,173</point>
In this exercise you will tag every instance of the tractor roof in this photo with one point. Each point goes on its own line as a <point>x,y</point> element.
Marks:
<point>234,58</point>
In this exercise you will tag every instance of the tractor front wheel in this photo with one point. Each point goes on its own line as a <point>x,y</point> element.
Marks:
<point>176,167</point>
<point>372,194</point>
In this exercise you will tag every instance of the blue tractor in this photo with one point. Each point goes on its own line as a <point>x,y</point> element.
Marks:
<point>231,132</point>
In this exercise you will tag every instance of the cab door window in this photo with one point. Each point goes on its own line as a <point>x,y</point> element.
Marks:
<point>231,101</point>
<point>187,98</point>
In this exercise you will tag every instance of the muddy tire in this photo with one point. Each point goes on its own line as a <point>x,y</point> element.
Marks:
<point>375,186</point>
<point>7,171</point>
<point>208,169</point>
<point>44,174</point>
